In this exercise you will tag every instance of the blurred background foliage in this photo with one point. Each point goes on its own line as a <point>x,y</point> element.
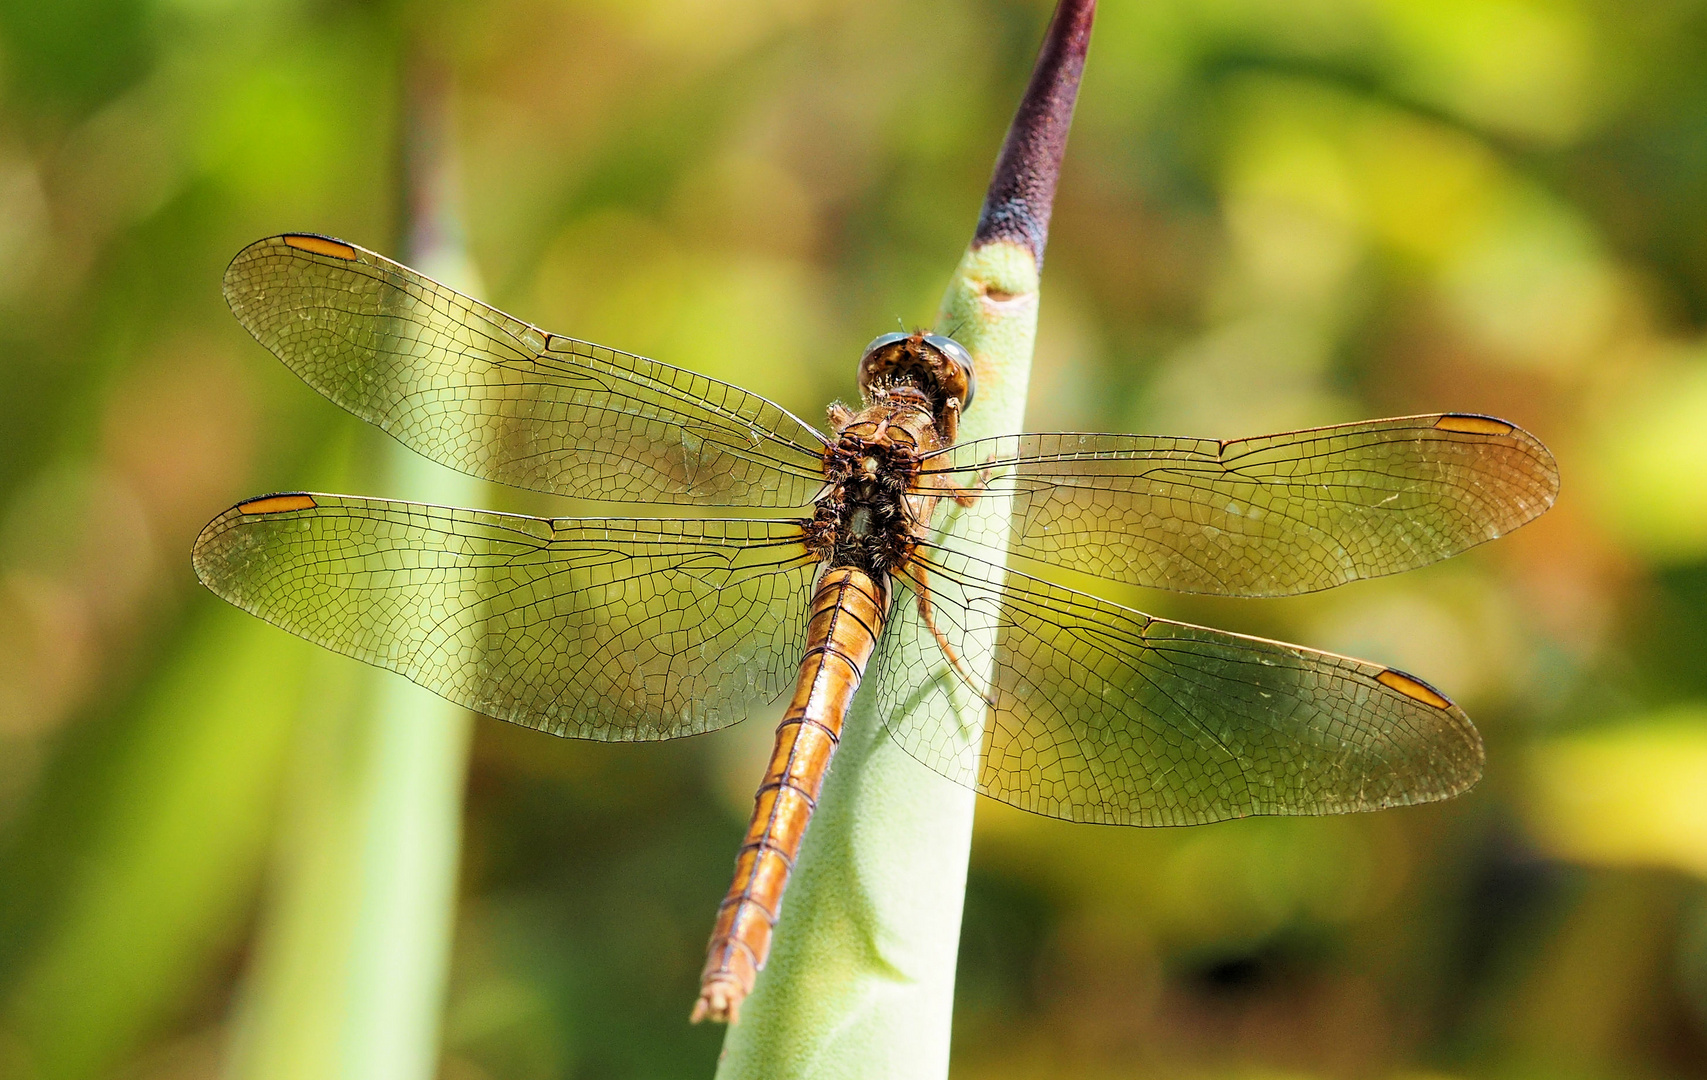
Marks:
<point>1274,214</point>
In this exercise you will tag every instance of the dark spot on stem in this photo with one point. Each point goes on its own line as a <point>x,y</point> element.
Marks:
<point>1022,191</point>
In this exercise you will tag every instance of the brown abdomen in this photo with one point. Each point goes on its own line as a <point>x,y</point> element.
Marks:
<point>847,615</point>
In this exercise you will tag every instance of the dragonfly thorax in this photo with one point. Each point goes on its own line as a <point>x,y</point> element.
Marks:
<point>863,519</point>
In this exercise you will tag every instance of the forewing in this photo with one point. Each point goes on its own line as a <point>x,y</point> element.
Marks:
<point>619,630</point>
<point>1100,713</point>
<point>1268,516</point>
<point>477,390</point>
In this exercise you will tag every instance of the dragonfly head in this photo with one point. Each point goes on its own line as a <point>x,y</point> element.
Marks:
<point>933,364</point>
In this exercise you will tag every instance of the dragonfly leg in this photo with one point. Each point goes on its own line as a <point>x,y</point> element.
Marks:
<point>965,496</point>
<point>915,573</point>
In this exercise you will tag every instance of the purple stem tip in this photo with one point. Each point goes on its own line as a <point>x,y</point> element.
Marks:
<point>1022,191</point>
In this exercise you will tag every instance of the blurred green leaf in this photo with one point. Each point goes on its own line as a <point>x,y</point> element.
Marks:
<point>175,856</point>
<point>1630,795</point>
<point>72,54</point>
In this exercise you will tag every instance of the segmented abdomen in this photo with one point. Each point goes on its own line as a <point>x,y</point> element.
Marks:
<point>847,615</point>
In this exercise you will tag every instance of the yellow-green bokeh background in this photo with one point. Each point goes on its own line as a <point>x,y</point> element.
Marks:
<point>1274,214</point>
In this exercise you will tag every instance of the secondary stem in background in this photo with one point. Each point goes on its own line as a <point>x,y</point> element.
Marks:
<point>353,957</point>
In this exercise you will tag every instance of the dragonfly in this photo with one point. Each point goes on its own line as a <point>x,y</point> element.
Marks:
<point>899,569</point>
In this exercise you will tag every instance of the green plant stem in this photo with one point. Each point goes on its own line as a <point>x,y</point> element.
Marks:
<point>351,979</point>
<point>860,981</point>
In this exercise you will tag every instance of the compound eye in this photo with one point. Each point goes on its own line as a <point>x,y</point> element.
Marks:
<point>883,341</point>
<point>955,351</point>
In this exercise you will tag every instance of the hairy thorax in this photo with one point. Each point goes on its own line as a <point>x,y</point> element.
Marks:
<point>865,517</point>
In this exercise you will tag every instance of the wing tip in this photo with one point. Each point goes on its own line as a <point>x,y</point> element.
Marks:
<point>1546,467</point>
<point>234,284</point>
<point>1457,764</point>
<point>204,552</point>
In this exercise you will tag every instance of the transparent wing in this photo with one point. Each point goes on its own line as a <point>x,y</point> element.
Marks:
<point>1268,516</point>
<point>1100,713</point>
<point>473,388</point>
<point>619,630</point>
